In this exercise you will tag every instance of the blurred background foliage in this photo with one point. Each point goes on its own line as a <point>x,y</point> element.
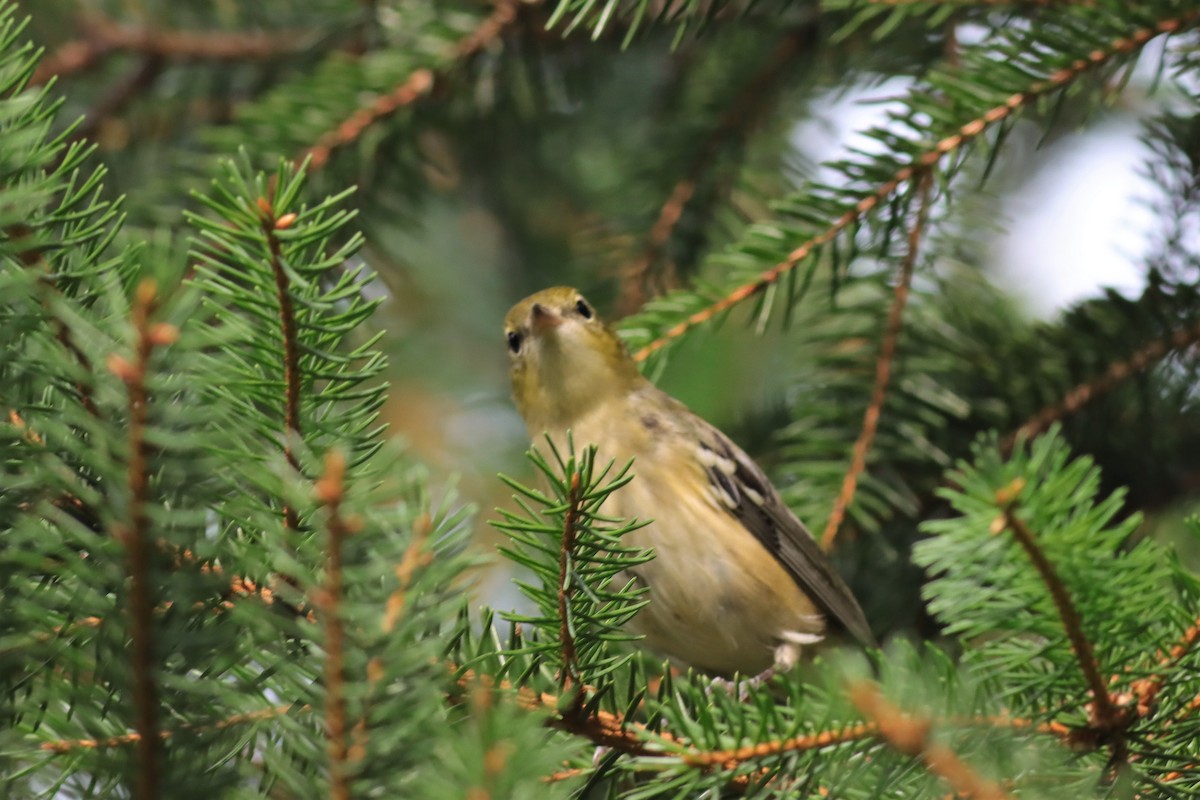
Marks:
<point>627,149</point>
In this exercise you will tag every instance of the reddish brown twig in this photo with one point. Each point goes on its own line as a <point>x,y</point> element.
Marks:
<point>291,340</point>
<point>911,736</point>
<point>330,491</point>
<point>134,535</point>
<point>1117,373</point>
<point>883,368</point>
<point>728,759</point>
<point>569,676</point>
<point>64,746</point>
<point>1105,717</point>
<point>740,119</point>
<point>418,84</point>
<point>920,165</point>
<point>103,38</point>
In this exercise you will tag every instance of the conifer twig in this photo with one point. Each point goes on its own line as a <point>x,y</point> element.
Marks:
<point>883,366</point>
<point>64,746</point>
<point>910,736</point>
<point>419,83</point>
<point>728,759</point>
<point>736,123</point>
<point>134,535</point>
<point>103,37</point>
<point>1105,716</point>
<point>1118,372</point>
<point>569,678</point>
<point>920,165</point>
<point>330,491</point>
<point>291,345</point>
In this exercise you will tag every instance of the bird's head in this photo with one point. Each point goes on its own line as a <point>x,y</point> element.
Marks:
<point>565,360</point>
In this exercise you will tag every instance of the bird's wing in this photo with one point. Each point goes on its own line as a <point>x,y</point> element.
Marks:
<point>741,487</point>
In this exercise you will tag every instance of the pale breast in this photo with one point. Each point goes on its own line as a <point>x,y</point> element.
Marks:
<point>719,600</point>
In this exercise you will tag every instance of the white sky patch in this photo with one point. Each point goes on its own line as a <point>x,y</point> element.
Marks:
<point>1080,224</point>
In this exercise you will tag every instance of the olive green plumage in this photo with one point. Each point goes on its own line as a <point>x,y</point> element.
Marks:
<point>737,583</point>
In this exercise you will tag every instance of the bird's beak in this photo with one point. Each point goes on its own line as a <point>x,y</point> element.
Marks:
<point>542,319</point>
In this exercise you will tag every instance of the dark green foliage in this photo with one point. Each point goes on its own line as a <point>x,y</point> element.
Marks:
<point>311,609</point>
<point>579,561</point>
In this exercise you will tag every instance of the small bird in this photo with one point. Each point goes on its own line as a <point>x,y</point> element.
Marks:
<point>737,583</point>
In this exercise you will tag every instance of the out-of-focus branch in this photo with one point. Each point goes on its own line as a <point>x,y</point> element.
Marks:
<point>102,38</point>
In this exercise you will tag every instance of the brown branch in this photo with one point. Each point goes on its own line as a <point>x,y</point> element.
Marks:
<point>291,344</point>
<point>1142,359</point>
<point>134,536</point>
<point>418,84</point>
<point>883,368</point>
<point>64,746</point>
<point>920,165</point>
<point>911,736</point>
<point>330,491</point>
<point>569,677</point>
<point>1104,716</point>
<point>729,759</point>
<point>736,124</point>
<point>103,38</point>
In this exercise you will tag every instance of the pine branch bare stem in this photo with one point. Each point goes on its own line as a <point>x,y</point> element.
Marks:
<point>103,38</point>
<point>330,491</point>
<point>418,84</point>
<point>883,368</point>
<point>134,535</point>
<point>911,736</point>
<point>569,678</point>
<point>1105,717</point>
<point>1117,373</point>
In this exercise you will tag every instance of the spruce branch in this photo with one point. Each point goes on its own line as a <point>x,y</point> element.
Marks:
<point>1105,716</point>
<point>569,676</point>
<point>737,124</point>
<point>920,164</point>
<point>329,491</point>
<point>103,38</point>
<point>65,746</point>
<point>883,366</point>
<point>1117,373</point>
<point>911,736</point>
<point>134,535</point>
<point>418,84</point>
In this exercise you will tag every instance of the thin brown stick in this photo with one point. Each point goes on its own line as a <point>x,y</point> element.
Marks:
<point>1117,373</point>
<point>920,165</point>
<point>1104,715</point>
<point>418,84</point>
<point>291,343</point>
<point>103,38</point>
<point>729,759</point>
<point>64,746</point>
<point>736,124</point>
<point>883,369</point>
<point>134,536</point>
<point>330,492</point>
<point>911,736</point>
<point>569,677</point>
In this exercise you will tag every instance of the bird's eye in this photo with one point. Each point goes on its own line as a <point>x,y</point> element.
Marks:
<point>584,309</point>
<point>514,341</point>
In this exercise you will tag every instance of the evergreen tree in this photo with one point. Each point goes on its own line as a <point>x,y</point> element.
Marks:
<point>222,578</point>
